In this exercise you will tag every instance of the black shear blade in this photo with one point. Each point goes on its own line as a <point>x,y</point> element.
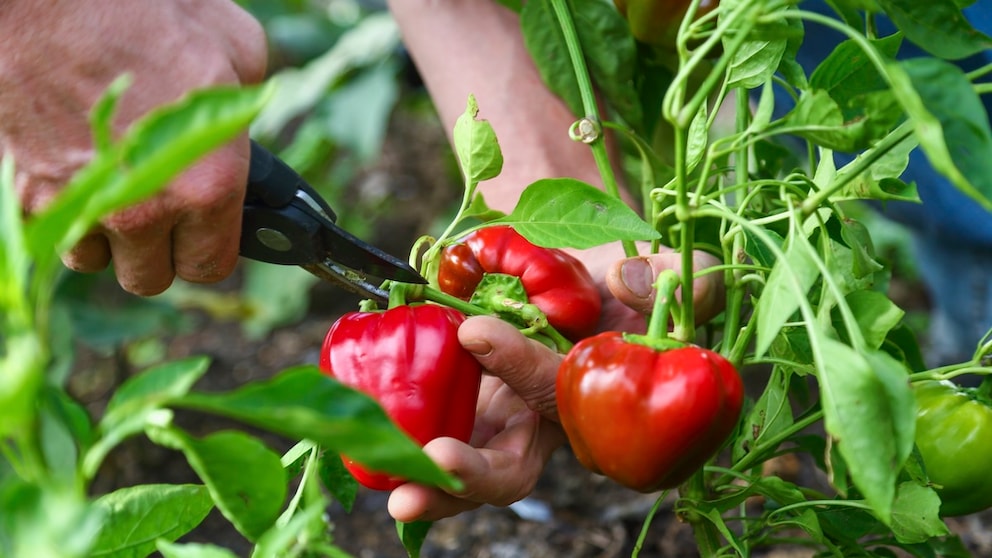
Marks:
<point>348,250</point>
<point>285,221</point>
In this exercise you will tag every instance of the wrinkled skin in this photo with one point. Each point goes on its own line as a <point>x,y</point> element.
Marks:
<point>60,56</point>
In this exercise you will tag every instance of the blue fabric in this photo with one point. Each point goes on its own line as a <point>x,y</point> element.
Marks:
<point>945,211</point>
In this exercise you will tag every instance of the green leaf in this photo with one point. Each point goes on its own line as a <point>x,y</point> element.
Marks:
<point>53,520</point>
<point>138,399</point>
<point>936,26</point>
<point>476,145</point>
<point>757,59</point>
<point>136,517</point>
<point>612,69</point>
<point>297,90</point>
<point>771,415</point>
<point>14,257</point>
<point>302,403</point>
<point>564,212</point>
<point>847,73</point>
<point>902,345</point>
<point>818,118</point>
<point>759,251</point>
<point>154,150</point>
<point>880,180</point>
<point>412,535</point>
<point>875,314</point>
<point>856,236</point>
<point>784,291</point>
<point>869,409</point>
<point>915,516</point>
<point>283,540</point>
<point>950,121</point>
<point>246,479</point>
<point>338,481</point>
<point>276,294</point>
<point>192,550</point>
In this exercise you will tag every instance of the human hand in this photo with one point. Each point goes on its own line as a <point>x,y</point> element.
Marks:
<point>627,285</point>
<point>517,426</point>
<point>60,56</point>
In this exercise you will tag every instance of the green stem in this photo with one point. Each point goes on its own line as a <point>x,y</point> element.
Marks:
<point>589,106</point>
<point>757,454</point>
<point>854,169</point>
<point>643,535</point>
<point>984,389</point>
<point>685,326</point>
<point>731,276</point>
<point>424,292</point>
<point>947,373</point>
<point>665,286</point>
<point>706,534</point>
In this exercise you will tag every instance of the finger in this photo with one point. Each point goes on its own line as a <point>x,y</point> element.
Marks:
<point>631,281</point>
<point>141,248</point>
<point>90,255</point>
<point>207,234</point>
<point>247,42</point>
<point>501,473</point>
<point>525,365</point>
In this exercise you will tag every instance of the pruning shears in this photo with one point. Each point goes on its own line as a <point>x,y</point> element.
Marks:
<point>285,221</point>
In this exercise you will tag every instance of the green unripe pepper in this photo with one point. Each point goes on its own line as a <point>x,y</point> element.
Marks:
<point>954,437</point>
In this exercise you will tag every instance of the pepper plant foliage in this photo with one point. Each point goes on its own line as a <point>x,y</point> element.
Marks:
<point>52,449</point>
<point>805,293</point>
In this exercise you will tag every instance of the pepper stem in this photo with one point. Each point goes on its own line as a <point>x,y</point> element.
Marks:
<point>664,286</point>
<point>657,335</point>
<point>984,389</point>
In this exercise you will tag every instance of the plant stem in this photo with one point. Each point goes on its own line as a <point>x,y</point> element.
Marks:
<point>757,454</point>
<point>685,326</point>
<point>984,389</point>
<point>589,106</point>
<point>665,286</point>
<point>643,535</point>
<point>424,292</point>
<point>855,168</point>
<point>706,534</point>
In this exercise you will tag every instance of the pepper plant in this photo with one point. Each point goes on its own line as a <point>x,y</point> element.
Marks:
<point>805,292</point>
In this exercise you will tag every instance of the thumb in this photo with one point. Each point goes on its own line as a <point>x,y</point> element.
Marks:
<point>631,281</point>
<point>526,366</point>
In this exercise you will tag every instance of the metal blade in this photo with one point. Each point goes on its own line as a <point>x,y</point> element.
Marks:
<point>348,250</point>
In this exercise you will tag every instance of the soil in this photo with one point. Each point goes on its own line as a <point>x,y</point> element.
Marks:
<point>572,513</point>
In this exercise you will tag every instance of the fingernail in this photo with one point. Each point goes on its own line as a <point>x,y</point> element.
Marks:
<point>638,276</point>
<point>478,347</point>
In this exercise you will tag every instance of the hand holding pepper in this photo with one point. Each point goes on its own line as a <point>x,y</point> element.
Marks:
<point>517,426</point>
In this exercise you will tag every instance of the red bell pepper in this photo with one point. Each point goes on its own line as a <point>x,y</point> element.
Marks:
<point>407,358</point>
<point>644,417</point>
<point>555,281</point>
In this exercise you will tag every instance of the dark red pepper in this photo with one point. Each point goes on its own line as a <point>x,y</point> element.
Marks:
<point>644,417</point>
<point>555,281</point>
<point>407,358</point>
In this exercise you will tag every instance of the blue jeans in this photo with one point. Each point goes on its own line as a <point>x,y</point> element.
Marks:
<point>959,278</point>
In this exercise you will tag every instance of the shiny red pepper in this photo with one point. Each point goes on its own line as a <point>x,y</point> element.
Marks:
<point>407,358</point>
<point>644,417</point>
<point>555,281</point>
